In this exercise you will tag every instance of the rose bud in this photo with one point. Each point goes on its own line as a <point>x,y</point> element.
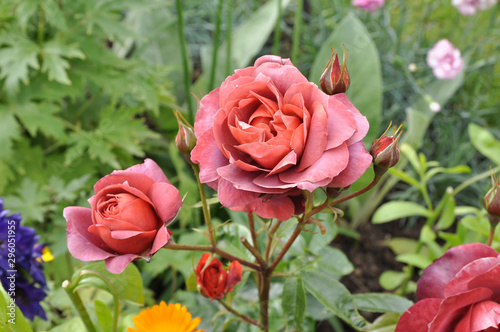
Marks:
<point>127,219</point>
<point>335,78</point>
<point>213,280</point>
<point>185,139</point>
<point>492,201</point>
<point>385,150</point>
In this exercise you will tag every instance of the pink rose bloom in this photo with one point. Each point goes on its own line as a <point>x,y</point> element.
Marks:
<point>267,134</point>
<point>368,5</point>
<point>470,7</point>
<point>127,219</point>
<point>458,292</point>
<point>445,60</point>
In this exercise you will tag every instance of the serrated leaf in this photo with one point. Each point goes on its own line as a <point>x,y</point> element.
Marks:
<point>30,201</point>
<point>9,129</point>
<point>381,302</point>
<point>334,296</point>
<point>15,62</point>
<point>127,284</point>
<point>54,63</point>
<point>293,302</point>
<point>398,209</point>
<point>41,117</point>
<point>63,191</point>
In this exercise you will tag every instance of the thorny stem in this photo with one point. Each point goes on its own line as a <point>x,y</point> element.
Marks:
<point>239,314</point>
<point>215,250</point>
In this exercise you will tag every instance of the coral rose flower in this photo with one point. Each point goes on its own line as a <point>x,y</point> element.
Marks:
<point>267,133</point>
<point>368,5</point>
<point>458,292</point>
<point>127,219</point>
<point>213,281</point>
<point>445,60</point>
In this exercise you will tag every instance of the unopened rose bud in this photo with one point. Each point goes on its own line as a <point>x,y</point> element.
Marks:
<point>492,201</point>
<point>185,139</point>
<point>335,78</point>
<point>213,281</point>
<point>385,150</point>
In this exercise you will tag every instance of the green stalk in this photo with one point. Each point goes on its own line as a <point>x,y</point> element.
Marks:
<point>80,307</point>
<point>215,46</point>
<point>297,25</point>
<point>474,179</point>
<point>229,31</point>
<point>206,210</point>
<point>277,31</point>
<point>185,60</point>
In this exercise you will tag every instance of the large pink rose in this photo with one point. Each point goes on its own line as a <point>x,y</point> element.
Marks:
<point>127,219</point>
<point>459,292</point>
<point>267,134</point>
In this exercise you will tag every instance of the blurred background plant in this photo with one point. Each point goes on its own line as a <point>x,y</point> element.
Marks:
<point>88,87</point>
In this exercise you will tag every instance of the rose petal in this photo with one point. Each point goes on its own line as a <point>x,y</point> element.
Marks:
<point>268,156</point>
<point>272,58</point>
<point>229,196</point>
<point>359,161</point>
<point>341,123</point>
<point>244,180</point>
<point>79,219</point>
<point>418,317</point>
<point>362,124</point>
<point>316,141</point>
<point>124,242</point>
<point>149,168</point>
<point>209,105</point>
<point>162,237</point>
<point>234,276</point>
<point>471,271</point>
<point>166,199</point>
<point>480,317</point>
<point>331,163</point>
<point>117,264</point>
<point>437,275</point>
<point>139,181</point>
<point>488,279</point>
<point>206,153</point>
<point>117,224</point>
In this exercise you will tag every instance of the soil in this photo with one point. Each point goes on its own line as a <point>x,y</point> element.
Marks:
<point>370,257</point>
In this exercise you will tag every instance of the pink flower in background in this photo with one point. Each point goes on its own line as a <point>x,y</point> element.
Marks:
<point>127,219</point>
<point>458,292</point>
<point>470,7</point>
<point>267,134</point>
<point>368,5</point>
<point>445,60</point>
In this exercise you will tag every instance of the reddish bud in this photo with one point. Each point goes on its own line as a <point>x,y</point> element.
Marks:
<point>492,200</point>
<point>385,150</point>
<point>185,139</point>
<point>335,78</point>
<point>212,279</point>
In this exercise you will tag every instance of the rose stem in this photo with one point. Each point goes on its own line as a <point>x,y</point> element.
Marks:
<point>251,225</point>
<point>206,210</point>
<point>254,252</point>
<point>80,307</point>
<point>287,245</point>
<point>184,54</point>
<point>209,248</point>
<point>237,313</point>
<point>492,234</point>
<point>265,286</point>
<point>270,238</point>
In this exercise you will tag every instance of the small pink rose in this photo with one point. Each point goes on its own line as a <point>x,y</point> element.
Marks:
<point>445,60</point>
<point>267,134</point>
<point>127,219</point>
<point>368,5</point>
<point>458,292</point>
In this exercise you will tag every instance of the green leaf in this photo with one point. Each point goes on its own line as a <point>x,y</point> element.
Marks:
<point>404,177</point>
<point>128,284</point>
<point>54,64</point>
<point>10,130</point>
<point>452,170</point>
<point>412,156</point>
<point>447,217</point>
<point>293,302</point>
<point>30,201</point>
<point>41,117</point>
<point>335,262</point>
<point>414,259</point>
<point>397,210</point>
<point>11,318</point>
<point>104,315</point>
<point>381,302</point>
<point>402,245</point>
<point>386,323</point>
<point>15,62</point>
<point>427,235</point>
<point>477,224</point>
<point>363,62</point>
<point>74,325</point>
<point>191,283</point>
<point>334,296</point>
<point>390,280</point>
<point>485,142</point>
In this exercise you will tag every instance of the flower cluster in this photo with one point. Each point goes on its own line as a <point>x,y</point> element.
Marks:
<point>368,5</point>
<point>458,292</point>
<point>445,60</point>
<point>470,7</point>
<point>26,260</point>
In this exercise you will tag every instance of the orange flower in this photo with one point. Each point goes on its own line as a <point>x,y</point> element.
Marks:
<point>165,318</point>
<point>213,280</point>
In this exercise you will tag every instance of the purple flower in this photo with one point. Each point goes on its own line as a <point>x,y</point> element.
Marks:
<point>368,5</point>
<point>445,60</point>
<point>470,7</point>
<point>24,264</point>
